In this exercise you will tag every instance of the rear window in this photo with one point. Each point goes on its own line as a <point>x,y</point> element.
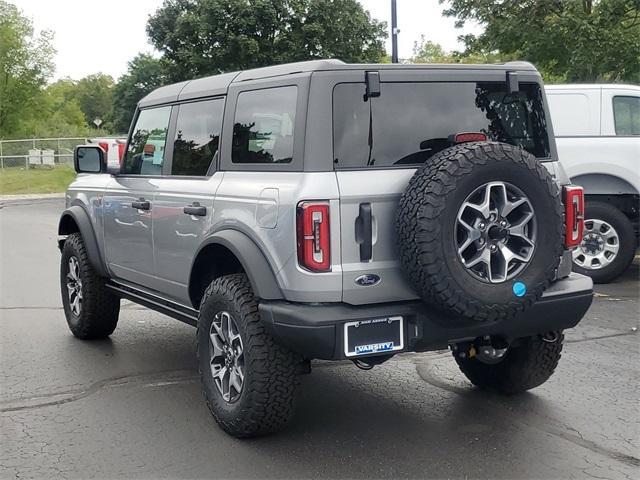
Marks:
<point>626,115</point>
<point>410,122</point>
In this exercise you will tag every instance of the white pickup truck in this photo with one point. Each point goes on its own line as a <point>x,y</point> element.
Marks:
<point>597,130</point>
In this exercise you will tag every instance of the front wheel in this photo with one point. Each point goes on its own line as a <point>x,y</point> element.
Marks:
<point>608,245</point>
<point>517,368</point>
<point>248,380</point>
<point>91,310</point>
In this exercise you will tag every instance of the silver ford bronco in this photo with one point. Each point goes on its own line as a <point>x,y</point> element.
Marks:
<point>323,210</point>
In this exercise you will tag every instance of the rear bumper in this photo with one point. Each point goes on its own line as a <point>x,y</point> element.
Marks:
<point>316,330</point>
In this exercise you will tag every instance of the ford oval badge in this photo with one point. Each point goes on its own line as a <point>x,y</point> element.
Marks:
<point>368,280</point>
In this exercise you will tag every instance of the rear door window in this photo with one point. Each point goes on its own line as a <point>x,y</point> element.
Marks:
<point>410,122</point>
<point>263,126</point>
<point>145,153</point>
<point>197,137</point>
<point>626,115</point>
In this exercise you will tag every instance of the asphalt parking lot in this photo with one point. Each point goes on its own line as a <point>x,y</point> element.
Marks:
<point>131,407</point>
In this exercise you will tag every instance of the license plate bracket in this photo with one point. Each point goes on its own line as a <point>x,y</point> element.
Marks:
<point>375,336</point>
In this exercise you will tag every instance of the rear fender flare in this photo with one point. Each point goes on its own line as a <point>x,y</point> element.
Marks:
<point>254,263</point>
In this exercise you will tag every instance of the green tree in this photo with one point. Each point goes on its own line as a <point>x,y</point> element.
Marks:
<point>95,97</point>
<point>200,37</point>
<point>568,40</point>
<point>25,66</point>
<point>426,51</point>
<point>144,74</point>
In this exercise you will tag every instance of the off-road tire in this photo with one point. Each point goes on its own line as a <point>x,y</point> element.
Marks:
<point>100,308</point>
<point>525,366</point>
<point>267,399</point>
<point>626,236</point>
<point>425,229</point>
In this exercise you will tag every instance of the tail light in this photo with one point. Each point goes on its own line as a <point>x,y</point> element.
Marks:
<point>468,137</point>
<point>574,216</point>
<point>104,146</point>
<point>120,151</point>
<point>314,242</point>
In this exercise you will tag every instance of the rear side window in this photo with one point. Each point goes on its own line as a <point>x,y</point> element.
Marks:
<point>145,154</point>
<point>197,137</point>
<point>410,122</point>
<point>263,126</point>
<point>626,115</point>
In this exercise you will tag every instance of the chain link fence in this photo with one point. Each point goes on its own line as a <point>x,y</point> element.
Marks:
<point>28,153</point>
<point>37,165</point>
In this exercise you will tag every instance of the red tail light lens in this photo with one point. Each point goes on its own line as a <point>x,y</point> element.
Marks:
<point>468,137</point>
<point>574,216</point>
<point>314,241</point>
<point>120,151</point>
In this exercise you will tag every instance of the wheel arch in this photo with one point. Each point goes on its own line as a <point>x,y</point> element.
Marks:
<point>75,219</point>
<point>604,184</point>
<point>226,252</point>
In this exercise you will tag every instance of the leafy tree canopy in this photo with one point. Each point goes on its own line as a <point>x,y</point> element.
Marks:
<point>26,65</point>
<point>95,97</point>
<point>145,73</point>
<point>200,37</point>
<point>568,40</point>
<point>426,51</point>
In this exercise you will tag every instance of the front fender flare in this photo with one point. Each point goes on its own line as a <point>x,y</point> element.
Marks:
<point>81,218</point>
<point>263,280</point>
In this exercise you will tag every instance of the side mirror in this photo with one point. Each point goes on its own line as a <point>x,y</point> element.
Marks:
<point>89,159</point>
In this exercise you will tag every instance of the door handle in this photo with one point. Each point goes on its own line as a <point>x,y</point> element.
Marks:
<point>364,232</point>
<point>195,209</point>
<point>141,204</point>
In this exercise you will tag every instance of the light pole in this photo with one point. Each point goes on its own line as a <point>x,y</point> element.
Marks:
<point>394,32</point>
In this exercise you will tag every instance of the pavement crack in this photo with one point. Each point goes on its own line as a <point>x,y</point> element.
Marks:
<point>601,337</point>
<point>153,379</point>
<point>425,372</point>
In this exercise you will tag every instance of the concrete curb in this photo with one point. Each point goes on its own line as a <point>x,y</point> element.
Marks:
<point>33,196</point>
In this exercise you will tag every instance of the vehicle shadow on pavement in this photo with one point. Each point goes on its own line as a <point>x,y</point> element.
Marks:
<point>370,423</point>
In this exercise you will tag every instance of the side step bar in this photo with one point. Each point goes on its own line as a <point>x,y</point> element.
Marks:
<point>175,310</point>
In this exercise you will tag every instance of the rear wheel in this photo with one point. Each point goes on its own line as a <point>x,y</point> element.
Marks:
<point>91,310</point>
<point>249,381</point>
<point>608,246</point>
<point>514,369</point>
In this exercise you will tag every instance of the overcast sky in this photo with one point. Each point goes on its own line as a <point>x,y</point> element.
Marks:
<point>103,35</point>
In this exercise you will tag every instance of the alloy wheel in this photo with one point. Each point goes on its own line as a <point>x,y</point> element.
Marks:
<point>599,247</point>
<point>74,286</point>
<point>495,232</point>
<point>227,356</point>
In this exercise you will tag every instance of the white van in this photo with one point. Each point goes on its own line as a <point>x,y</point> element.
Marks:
<point>597,130</point>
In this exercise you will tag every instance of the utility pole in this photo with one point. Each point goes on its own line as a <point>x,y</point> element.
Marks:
<point>394,32</point>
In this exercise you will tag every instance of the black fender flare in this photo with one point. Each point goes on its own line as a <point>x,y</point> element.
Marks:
<point>254,263</point>
<point>81,219</point>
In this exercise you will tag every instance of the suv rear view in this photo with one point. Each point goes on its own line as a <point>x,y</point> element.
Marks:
<point>330,211</point>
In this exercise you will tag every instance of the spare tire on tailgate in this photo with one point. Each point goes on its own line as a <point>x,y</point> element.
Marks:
<point>480,230</point>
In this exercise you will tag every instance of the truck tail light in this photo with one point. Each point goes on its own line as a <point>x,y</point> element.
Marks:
<point>314,240</point>
<point>574,216</point>
<point>120,152</point>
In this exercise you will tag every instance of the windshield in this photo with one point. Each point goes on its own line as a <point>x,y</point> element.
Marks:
<point>410,122</point>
